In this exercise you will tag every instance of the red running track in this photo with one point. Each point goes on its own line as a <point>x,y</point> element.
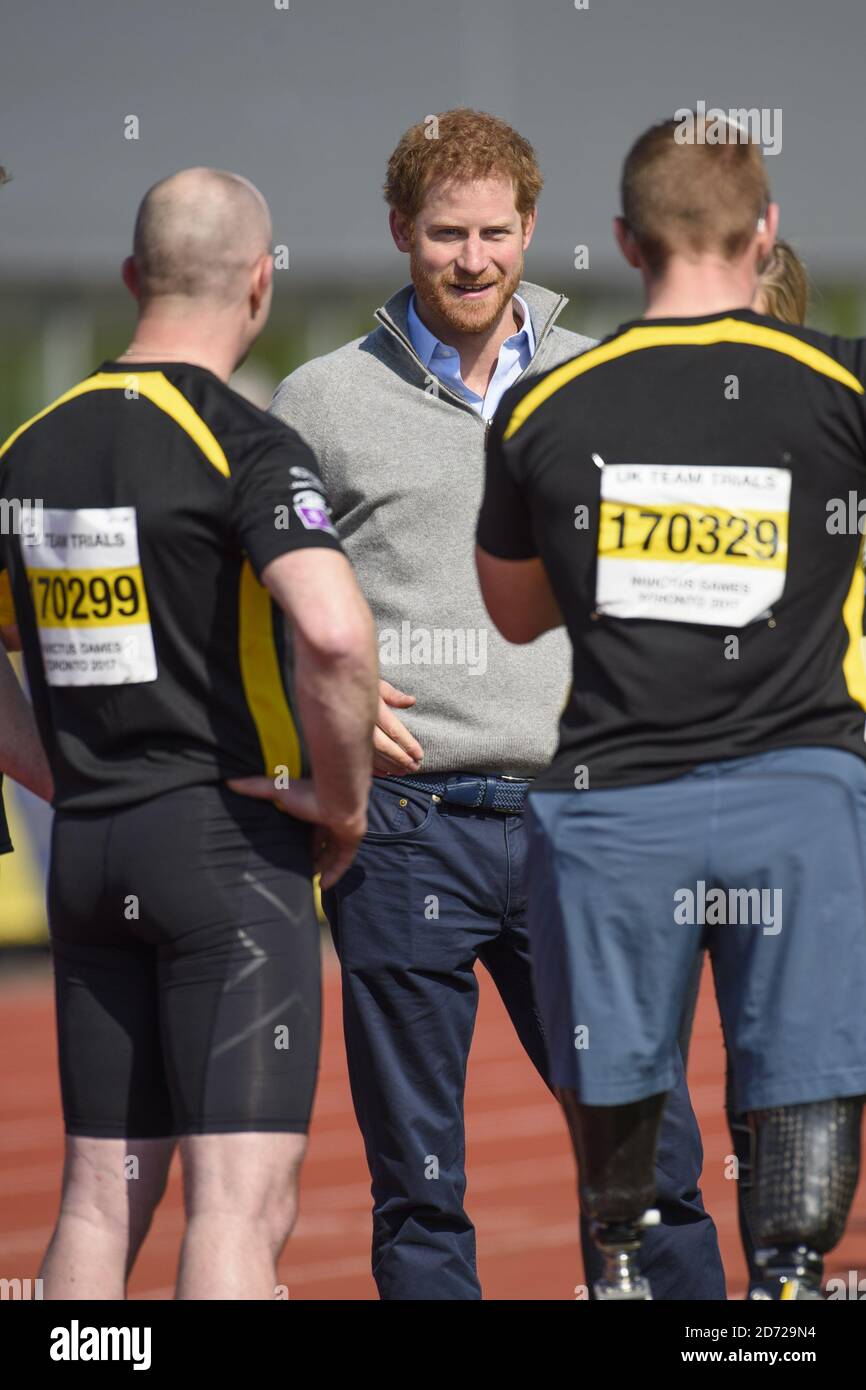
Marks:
<point>521,1184</point>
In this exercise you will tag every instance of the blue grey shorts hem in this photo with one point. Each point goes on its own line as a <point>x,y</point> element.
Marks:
<point>623,1093</point>
<point>800,1090</point>
<point>769,1094</point>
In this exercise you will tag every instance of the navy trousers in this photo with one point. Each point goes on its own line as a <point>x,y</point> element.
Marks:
<point>433,890</point>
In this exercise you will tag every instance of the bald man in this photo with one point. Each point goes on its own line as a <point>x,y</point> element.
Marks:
<point>181,714</point>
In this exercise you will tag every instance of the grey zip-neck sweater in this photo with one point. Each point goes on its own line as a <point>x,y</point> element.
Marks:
<point>402,460</point>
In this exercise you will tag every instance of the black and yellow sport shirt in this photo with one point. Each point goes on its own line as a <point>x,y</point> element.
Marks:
<point>149,500</point>
<point>693,487</point>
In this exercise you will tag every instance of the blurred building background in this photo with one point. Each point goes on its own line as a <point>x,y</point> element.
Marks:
<point>307,98</point>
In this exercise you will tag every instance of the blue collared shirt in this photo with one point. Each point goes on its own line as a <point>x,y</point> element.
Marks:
<point>444,362</point>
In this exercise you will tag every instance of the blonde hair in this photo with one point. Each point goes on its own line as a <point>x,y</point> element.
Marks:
<point>462,144</point>
<point>783,285</point>
<point>693,196</point>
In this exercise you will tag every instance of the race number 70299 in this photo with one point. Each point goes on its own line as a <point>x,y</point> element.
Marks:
<point>87,598</point>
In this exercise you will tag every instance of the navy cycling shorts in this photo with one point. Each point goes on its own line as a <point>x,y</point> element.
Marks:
<point>187,967</point>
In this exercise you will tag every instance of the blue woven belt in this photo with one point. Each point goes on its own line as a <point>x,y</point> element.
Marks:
<point>477,793</point>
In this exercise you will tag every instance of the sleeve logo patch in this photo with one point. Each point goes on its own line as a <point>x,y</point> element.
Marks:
<point>312,510</point>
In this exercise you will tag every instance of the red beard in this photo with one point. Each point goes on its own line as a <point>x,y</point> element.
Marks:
<point>466,316</point>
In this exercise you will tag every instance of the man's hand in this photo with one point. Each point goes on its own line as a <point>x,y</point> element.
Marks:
<point>394,748</point>
<point>335,844</point>
<point>21,753</point>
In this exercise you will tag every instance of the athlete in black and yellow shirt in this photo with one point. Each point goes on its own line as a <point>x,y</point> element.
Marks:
<point>169,528</point>
<point>683,498</point>
<point>158,659</point>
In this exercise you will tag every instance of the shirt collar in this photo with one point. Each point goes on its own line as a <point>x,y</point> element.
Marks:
<point>526,329</point>
<point>426,344</point>
<point>691,320</point>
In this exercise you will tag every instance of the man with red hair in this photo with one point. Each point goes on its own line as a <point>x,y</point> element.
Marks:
<point>398,421</point>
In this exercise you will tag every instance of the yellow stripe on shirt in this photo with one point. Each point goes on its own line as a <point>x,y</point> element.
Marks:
<point>262,681</point>
<point>156,388</point>
<point>679,335</point>
<point>7,606</point>
<point>853,666</point>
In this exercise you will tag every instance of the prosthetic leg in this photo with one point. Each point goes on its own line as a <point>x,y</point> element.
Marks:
<point>615,1149</point>
<point>806,1165</point>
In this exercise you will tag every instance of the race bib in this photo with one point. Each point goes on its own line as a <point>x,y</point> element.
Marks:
<point>89,598</point>
<point>692,545</point>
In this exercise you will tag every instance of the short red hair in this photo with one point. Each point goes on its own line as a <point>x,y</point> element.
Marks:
<point>462,144</point>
